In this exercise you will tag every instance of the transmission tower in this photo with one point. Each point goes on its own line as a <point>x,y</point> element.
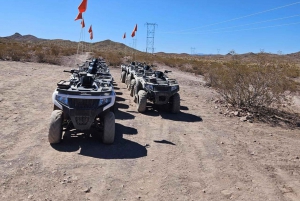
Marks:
<point>193,50</point>
<point>150,37</point>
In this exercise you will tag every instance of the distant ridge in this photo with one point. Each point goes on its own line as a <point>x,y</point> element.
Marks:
<point>27,38</point>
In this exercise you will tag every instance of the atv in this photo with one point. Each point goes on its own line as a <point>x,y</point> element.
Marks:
<point>156,87</point>
<point>81,102</point>
<point>99,70</point>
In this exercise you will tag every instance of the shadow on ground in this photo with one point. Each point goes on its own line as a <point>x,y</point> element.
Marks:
<point>164,142</point>
<point>89,144</point>
<point>164,112</point>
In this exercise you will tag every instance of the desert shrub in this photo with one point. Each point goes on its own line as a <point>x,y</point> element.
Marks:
<point>40,57</point>
<point>17,55</point>
<point>54,50</point>
<point>52,60</point>
<point>291,70</point>
<point>113,58</point>
<point>251,86</point>
<point>2,53</point>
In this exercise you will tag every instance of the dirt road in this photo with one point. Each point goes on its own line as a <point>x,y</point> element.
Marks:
<point>197,154</point>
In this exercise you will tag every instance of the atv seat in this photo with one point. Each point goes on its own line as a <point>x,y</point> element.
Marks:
<point>86,81</point>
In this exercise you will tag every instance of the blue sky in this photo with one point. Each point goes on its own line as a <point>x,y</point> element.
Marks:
<point>206,25</point>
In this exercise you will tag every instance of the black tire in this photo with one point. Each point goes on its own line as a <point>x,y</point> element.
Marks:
<point>56,108</point>
<point>138,87</point>
<point>123,76</point>
<point>55,130</point>
<point>132,85</point>
<point>113,108</point>
<point>128,80</point>
<point>108,136</point>
<point>142,101</point>
<point>175,103</point>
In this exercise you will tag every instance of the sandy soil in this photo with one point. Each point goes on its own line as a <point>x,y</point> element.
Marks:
<point>197,154</point>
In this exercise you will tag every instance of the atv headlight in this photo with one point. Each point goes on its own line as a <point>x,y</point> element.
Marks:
<point>62,99</point>
<point>104,101</point>
<point>149,87</point>
<point>173,88</point>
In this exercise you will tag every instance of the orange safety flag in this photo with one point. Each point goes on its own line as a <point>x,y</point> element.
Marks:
<point>135,28</point>
<point>124,36</point>
<point>133,33</point>
<point>82,23</point>
<point>79,16</point>
<point>90,29</point>
<point>82,6</point>
<point>91,35</point>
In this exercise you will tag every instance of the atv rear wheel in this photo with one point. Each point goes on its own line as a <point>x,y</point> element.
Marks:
<point>109,128</point>
<point>142,101</point>
<point>132,85</point>
<point>123,76</point>
<point>55,130</point>
<point>175,103</point>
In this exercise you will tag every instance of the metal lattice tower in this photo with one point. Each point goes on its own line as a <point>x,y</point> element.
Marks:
<point>150,37</point>
<point>193,50</point>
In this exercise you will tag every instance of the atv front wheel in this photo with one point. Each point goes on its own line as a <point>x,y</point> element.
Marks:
<point>175,103</point>
<point>55,130</point>
<point>132,85</point>
<point>142,101</point>
<point>109,128</point>
<point>123,76</point>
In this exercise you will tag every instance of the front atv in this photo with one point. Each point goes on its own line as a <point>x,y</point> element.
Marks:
<point>82,102</point>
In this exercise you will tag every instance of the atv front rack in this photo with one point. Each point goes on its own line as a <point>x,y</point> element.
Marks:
<point>63,84</point>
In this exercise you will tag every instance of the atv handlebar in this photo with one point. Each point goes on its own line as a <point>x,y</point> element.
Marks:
<point>71,71</point>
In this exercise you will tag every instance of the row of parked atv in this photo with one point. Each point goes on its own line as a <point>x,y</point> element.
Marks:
<point>87,99</point>
<point>146,84</point>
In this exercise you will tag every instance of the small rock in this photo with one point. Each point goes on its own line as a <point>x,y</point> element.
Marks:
<point>297,157</point>
<point>243,119</point>
<point>222,142</point>
<point>236,113</point>
<point>30,196</point>
<point>204,191</point>
<point>87,190</point>
<point>271,134</point>
<point>216,107</point>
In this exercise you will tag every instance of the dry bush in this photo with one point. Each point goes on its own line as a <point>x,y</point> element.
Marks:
<point>113,58</point>
<point>54,50</point>
<point>17,55</point>
<point>251,86</point>
<point>40,57</point>
<point>68,51</point>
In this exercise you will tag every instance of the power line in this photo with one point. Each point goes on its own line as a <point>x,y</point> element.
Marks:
<point>242,25</point>
<point>245,16</point>
<point>250,28</point>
